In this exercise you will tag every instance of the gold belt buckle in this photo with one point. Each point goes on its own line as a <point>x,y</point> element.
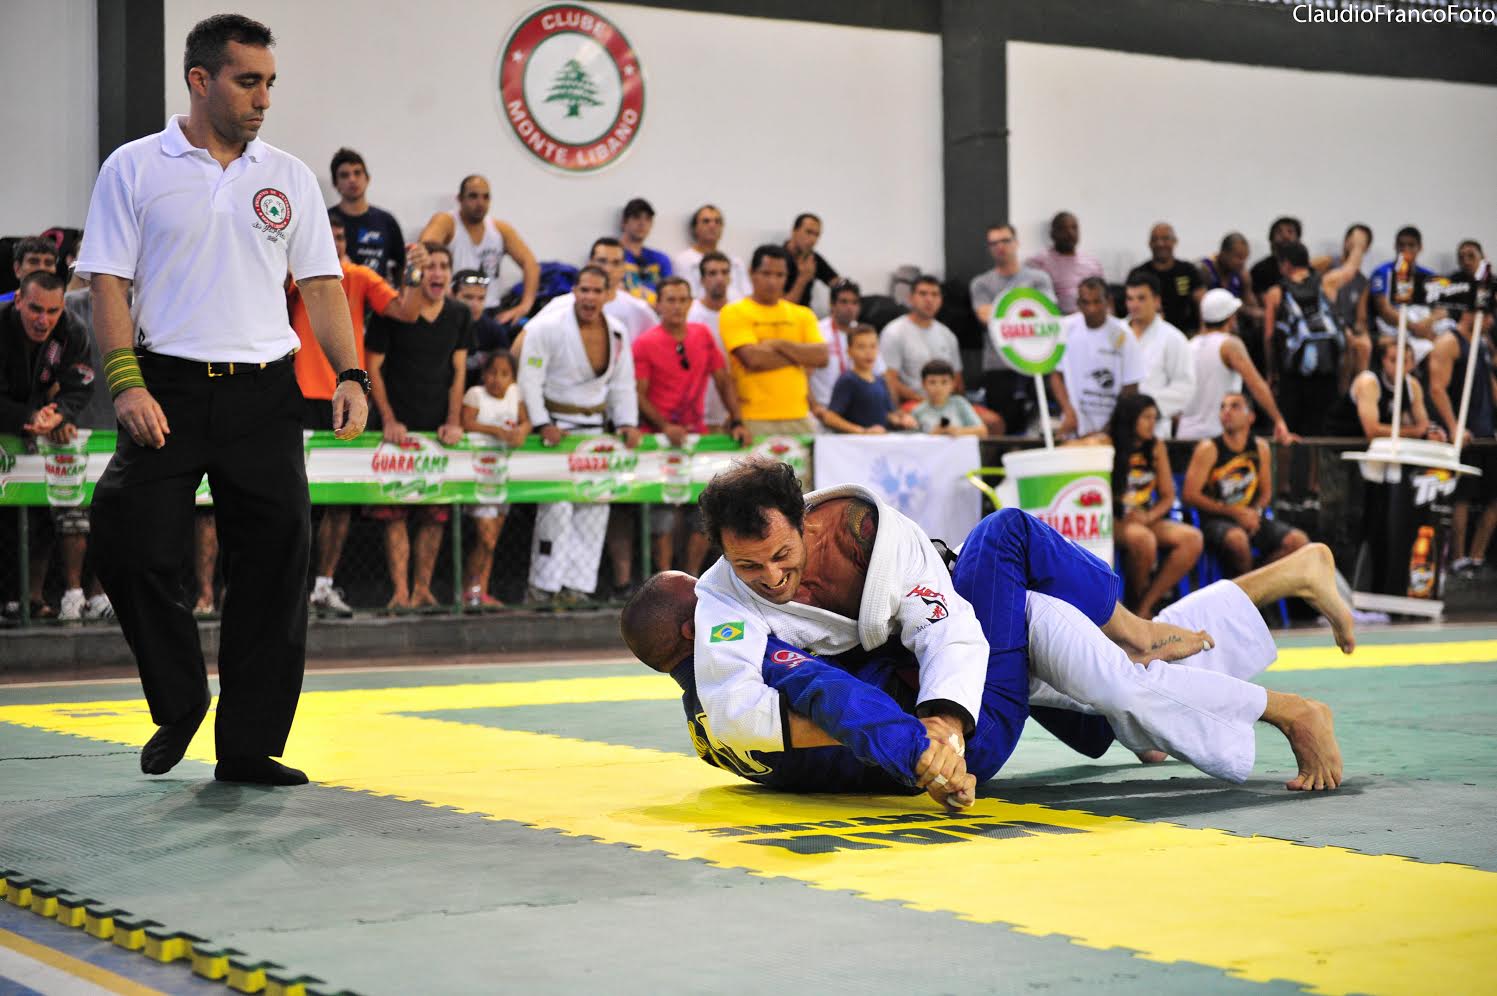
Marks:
<point>222,373</point>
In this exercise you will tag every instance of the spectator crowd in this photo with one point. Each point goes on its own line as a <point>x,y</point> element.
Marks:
<point>1217,351</point>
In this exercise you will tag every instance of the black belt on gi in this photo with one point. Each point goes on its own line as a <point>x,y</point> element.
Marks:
<point>211,368</point>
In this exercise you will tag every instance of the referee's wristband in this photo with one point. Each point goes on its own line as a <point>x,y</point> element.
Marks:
<point>122,371</point>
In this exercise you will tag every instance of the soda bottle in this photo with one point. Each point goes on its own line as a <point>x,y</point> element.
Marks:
<point>1421,564</point>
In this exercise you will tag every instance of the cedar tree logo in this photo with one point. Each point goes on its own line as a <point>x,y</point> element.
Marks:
<point>273,208</point>
<point>571,88</point>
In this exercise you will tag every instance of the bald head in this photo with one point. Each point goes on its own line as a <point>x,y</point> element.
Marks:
<point>657,622</point>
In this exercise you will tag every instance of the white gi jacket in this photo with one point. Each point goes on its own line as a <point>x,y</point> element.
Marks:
<point>554,366</point>
<point>908,592</point>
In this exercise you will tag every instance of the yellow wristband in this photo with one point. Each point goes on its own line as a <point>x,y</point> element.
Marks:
<point>122,371</point>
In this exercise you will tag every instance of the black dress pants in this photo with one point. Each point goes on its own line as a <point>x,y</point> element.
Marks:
<point>244,431</point>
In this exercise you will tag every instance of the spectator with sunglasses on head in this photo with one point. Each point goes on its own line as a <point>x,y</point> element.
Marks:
<point>470,288</point>
<point>672,364</point>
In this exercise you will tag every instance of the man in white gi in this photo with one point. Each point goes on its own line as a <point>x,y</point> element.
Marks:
<point>576,372</point>
<point>845,570</point>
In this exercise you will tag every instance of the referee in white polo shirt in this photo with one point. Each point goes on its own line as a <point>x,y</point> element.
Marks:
<point>205,220</point>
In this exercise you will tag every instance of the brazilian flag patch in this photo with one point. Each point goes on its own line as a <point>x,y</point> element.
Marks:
<point>727,632</point>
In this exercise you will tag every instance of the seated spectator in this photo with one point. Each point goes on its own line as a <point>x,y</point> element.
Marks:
<point>1223,367</point>
<point>1180,283</point>
<point>772,342</point>
<point>1170,372</point>
<point>607,254</point>
<point>1452,351</point>
<point>485,243</point>
<point>1143,491</point>
<point>367,293</point>
<point>1102,363</point>
<point>644,267</point>
<point>470,289</point>
<point>30,255</point>
<point>673,363</point>
<point>1447,380</point>
<point>417,373</point>
<point>1063,263</point>
<point>45,383</point>
<point>1403,280</point>
<point>944,412</point>
<point>912,340</point>
<point>374,236</point>
<point>706,235</point>
<point>860,399</point>
<point>1008,394</point>
<point>847,303</point>
<point>1228,270</point>
<point>493,408</point>
<point>1265,272</point>
<point>805,265</point>
<point>1230,482</point>
<point>1367,409</point>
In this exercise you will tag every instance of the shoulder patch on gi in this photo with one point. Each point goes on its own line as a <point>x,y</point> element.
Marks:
<point>727,632</point>
<point>534,361</point>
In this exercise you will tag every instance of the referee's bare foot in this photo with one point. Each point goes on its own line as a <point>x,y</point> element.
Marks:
<point>257,771</point>
<point>1318,587</point>
<point>1310,730</point>
<point>169,743</point>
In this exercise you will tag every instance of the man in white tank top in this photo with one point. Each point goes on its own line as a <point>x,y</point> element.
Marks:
<point>1223,367</point>
<point>483,244</point>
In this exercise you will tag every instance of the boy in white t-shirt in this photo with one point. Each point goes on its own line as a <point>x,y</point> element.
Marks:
<point>943,413</point>
<point>494,408</point>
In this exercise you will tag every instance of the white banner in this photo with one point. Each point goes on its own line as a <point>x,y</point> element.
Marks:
<point>922,476</point>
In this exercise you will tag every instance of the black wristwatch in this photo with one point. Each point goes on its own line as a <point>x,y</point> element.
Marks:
<point>359,377</point>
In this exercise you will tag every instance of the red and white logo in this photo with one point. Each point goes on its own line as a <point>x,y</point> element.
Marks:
<point>273,208</point>
<point>933,599</point>
<point>789,658</point>
<point>571,88</point>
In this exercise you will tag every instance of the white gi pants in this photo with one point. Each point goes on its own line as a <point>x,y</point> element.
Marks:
<point>567,546</point>
<point>1201,710</point>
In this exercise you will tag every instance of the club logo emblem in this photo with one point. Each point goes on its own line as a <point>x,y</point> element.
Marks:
<point>273,208</point>
<point>571,87</point>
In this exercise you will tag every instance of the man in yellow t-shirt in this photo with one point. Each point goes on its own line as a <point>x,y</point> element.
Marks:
<point>772,343</point>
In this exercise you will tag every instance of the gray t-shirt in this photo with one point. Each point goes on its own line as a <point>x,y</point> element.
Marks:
<point>957,410</point>
<point>906,348</point>
<point>987,288</point>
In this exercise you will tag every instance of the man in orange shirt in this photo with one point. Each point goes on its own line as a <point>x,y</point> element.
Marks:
<point>366,292</point>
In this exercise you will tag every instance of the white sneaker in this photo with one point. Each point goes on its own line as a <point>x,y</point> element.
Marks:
<point>71,608</point>
<point>327,600</point>
<point>99,608</point>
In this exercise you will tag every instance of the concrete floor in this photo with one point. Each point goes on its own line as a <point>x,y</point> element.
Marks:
<point>546,827</point>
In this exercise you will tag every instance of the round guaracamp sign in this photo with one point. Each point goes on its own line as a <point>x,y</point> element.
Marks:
<point>1026,331</point>
<point>571,88</point>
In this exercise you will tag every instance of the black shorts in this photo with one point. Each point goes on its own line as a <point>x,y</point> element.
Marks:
<point>317,414</point>
<point>1271,534</point>
<point>1478,490</point>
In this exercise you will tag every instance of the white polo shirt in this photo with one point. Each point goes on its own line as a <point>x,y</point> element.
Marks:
<point>207,248</point>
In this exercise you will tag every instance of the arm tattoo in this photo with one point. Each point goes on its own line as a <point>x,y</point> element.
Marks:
<point>861,520</point>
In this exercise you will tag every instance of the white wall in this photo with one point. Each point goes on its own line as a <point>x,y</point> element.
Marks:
<point>49,70</point>
<point>763,118</point>
<point>1127,140</point>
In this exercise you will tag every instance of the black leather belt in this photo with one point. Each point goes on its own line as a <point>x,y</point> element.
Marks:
<point>210,368</point>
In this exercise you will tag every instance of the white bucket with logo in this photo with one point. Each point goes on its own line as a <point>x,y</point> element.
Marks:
<point>491,475</point>
<point>1069,488</point>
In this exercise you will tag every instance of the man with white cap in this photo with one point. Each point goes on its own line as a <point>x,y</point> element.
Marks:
<point>1223,367</point>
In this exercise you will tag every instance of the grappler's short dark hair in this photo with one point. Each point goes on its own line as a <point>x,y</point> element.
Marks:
<point>738,499</point>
